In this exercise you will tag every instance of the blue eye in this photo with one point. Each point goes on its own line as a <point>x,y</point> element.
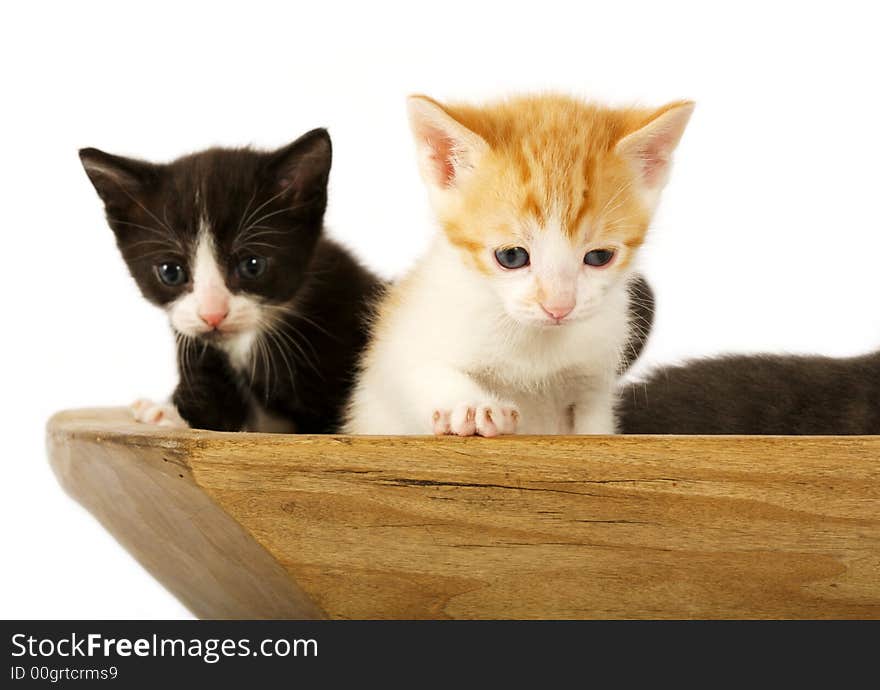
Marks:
<point>512,257</point>
<point>252,267</point>
<point>599,257</point>
<point>171,274</point>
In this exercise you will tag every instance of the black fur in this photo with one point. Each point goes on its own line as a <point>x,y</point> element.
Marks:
<point>760,394</point>
<point>641,318</point>
<point>320,294</point>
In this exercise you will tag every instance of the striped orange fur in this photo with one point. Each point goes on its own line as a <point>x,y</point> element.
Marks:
<point>549,162</point>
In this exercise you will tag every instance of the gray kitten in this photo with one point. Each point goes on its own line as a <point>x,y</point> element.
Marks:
<point>758,394</point>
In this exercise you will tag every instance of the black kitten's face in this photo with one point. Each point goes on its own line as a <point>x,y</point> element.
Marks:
<point>221,239</point>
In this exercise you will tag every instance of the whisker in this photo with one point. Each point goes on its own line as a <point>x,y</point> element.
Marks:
<point>168,236</point>
<point>298,333</point>
<point>246,209</point>
<point>283,352</point>
<point>145,209</point>
<point>156,252</point>
<point>315,324</point>
<point>257,340</point>
<point>285,312</point>
<point>271,214</point>
<point>277,231</point>
<point>245,239</point>
<point>262,206</point>
<point>184,343</point>
<point>249,243</point>
<point>165,216</point>
<point>284,336</point>
<point>141,243</point>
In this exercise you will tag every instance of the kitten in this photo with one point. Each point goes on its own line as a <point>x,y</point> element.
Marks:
<point>269,315</point>
<point>758,394</point>
<point>518,317</point>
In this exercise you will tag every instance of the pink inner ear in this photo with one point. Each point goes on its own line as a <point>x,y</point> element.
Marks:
<point>442,148</point>
<point>654,163</point>
<point>654,155</point>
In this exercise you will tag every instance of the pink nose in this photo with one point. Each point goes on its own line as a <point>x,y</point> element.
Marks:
<point>213,318</point>
<point>558,312</point>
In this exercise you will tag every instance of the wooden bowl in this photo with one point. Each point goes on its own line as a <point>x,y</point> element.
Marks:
<point>242,525</point>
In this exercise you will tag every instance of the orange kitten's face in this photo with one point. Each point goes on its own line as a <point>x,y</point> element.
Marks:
<point>548,198</point>
<point>550,243</point>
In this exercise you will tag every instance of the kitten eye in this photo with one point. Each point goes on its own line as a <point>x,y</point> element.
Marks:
<point>252,267</point>
<point>512,257</point>
<point>171,274</point>
<point>599,257</point>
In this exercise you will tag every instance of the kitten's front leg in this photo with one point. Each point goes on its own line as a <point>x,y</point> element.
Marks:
<point>594,412</point>
<point>208,395</point>
<point>458,405</point>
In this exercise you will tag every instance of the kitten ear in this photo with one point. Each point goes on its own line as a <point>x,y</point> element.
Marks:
<point>649,149</point>
<point>119,181</point>
<point>447,150</point>
<point>303,167</point>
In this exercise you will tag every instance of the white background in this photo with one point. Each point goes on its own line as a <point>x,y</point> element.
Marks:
<point>768,237</point>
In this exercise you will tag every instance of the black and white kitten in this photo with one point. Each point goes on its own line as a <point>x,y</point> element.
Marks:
<point>269,315</point>
<point>757,394</point>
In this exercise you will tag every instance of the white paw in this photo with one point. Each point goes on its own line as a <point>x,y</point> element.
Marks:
<point>471,419</point>
<point>160,414</point>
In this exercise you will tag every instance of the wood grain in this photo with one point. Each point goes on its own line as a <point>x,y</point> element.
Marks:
<point>516,527</point>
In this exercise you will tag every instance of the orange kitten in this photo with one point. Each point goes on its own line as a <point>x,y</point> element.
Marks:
<point>516,318</point>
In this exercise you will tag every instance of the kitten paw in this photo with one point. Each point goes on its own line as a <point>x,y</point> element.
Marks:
<point>468,419</point>
<point>160,414</point>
